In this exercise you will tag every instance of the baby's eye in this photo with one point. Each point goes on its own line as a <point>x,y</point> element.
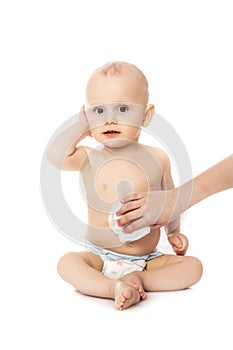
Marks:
<point>99,110</point>
<point>122,109</point>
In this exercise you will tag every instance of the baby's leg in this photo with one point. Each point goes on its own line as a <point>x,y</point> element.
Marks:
<point>83,271</point>
<point>168,272</point>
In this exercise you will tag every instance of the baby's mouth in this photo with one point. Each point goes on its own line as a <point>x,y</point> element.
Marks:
<point>111,132</point>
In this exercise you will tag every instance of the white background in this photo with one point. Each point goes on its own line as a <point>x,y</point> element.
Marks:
<point>48,50</point>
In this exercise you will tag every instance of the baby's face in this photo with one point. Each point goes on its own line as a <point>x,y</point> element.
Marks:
<point>116,108</point>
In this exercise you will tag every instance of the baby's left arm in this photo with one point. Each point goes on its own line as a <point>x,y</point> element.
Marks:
<point>178,241</point>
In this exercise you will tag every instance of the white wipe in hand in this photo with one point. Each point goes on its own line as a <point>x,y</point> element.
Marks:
<point>124,237</point>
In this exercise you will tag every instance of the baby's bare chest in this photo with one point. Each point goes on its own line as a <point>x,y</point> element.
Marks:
<point>116,177</point>
<point>119,177</point>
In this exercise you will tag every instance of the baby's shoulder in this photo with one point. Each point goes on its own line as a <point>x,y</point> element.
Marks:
<point>159,153</point>
<point>77,159</point>
<point>160,156</point>
<point>86,149</point>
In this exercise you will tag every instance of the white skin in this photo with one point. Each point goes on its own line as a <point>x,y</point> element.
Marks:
<point>83,270</point>
<point>158,208</point>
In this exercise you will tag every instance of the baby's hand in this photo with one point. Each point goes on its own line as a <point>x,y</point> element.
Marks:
<point>179,242</point>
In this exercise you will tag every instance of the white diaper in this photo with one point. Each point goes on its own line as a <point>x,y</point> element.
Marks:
<point>116,269</point>
<point>124,237</point>
<point>116,265</point>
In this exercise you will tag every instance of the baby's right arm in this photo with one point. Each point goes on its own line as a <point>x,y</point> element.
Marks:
<point>63,152</point>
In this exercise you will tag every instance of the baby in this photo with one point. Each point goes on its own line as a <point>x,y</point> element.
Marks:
<point>117,265</point>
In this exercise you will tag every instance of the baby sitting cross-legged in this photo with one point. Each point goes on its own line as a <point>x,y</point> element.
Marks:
<point>117,265</point>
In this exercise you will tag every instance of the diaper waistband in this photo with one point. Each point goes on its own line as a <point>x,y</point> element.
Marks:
<point>105,254</point>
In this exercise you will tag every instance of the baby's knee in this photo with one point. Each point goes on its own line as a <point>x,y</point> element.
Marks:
<point>196,268</point>
<point>64,262</point>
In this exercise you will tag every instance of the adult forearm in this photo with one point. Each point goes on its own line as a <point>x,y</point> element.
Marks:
<point>215,179</point>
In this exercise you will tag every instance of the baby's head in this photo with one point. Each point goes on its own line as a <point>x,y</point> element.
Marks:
<point>117,93</point>
<point>117,82</point>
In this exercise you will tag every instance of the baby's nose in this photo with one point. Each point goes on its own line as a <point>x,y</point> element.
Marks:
<point>111,117</point>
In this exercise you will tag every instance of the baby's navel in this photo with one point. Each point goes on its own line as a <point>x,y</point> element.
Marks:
<point>104,186</point>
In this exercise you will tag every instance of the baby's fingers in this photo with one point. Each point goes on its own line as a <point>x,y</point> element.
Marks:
<point>175,241</point>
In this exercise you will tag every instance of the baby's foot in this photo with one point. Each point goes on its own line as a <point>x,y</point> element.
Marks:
<point>125,295</point>
<point>135,281</point>
<point>140,289</point>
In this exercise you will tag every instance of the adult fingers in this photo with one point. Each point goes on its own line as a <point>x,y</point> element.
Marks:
<point>134,225</point>
<point>130,206</point>
<point>129,217</point>
<point>133,197</point>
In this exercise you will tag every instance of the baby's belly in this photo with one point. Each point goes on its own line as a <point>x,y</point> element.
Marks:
<point>141,246</point>
<point>99,233</point>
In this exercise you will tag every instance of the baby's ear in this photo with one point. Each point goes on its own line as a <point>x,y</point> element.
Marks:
<point>149,111</point>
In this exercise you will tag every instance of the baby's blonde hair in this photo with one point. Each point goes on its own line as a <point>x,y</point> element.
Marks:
<point>119,68</point>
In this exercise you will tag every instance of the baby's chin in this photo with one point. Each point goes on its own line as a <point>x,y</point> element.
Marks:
<point>115,143</point>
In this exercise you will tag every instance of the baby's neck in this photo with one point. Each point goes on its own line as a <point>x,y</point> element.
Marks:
<point>121,146</point>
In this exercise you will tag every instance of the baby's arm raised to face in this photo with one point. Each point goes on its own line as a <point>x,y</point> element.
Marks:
<point>63,151</point>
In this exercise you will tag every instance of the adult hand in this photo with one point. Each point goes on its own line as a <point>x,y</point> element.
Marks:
<point>146,209</point>
<point>161,207</point>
